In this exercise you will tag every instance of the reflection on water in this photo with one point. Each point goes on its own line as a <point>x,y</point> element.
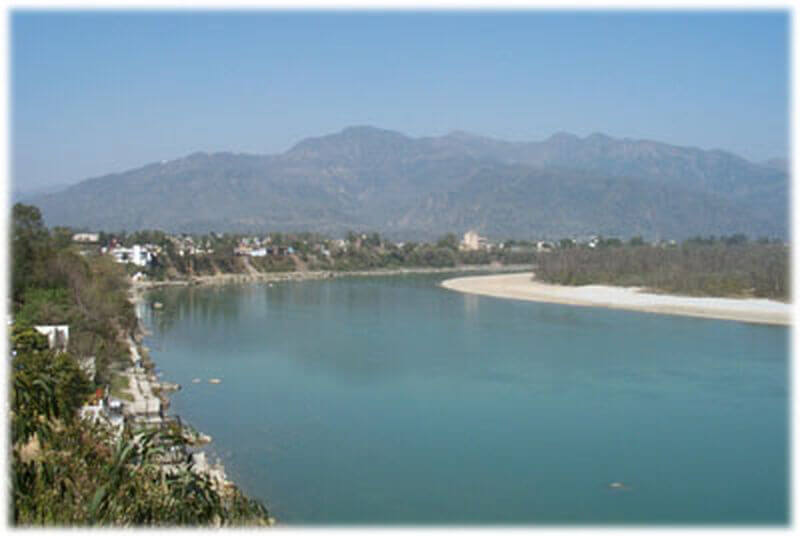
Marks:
<point>471,302</point>
<point>393,400</point>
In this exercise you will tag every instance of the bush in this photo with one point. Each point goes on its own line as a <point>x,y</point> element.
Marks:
<point>701,267</point>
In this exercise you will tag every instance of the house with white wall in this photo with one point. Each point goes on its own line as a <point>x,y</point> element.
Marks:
<point>57,336</point>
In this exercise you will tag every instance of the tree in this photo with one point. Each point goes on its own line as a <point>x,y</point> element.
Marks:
<point>25,340</point>
<point>62,237</point>
<point>735,240</point>
<point>29,244</point>
<point>373,240</point>
<point>449,241</point>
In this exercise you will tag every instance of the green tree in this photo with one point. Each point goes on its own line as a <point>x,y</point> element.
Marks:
<point>449,241</point>
<point>29,245</point>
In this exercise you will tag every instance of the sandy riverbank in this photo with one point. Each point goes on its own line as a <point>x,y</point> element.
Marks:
<point>523,287</point>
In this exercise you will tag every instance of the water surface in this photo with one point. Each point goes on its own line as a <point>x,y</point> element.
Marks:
<point>391,400</point>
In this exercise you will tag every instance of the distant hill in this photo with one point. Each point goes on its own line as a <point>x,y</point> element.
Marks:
<point>419,188</point>
<point>24,194</point>
<point>781,164</point>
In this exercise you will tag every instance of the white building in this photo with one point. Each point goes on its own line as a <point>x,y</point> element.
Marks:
<point>109,412</point>
<point>89,238</point>
<point>138,255</point>
<point>57,336</point>
<point>472,242</point>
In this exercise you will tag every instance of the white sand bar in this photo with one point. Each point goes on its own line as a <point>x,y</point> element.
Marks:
<point>523,287</point>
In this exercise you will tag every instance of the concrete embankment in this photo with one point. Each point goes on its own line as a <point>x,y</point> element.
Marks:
<point>147,409</point>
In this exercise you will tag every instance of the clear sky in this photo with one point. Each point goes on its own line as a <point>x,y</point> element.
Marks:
<point>94,93</point>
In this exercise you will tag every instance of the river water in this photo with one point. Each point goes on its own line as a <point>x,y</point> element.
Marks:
<point>394,401</point>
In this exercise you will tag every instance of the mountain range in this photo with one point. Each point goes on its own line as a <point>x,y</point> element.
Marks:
<point>371,179</point>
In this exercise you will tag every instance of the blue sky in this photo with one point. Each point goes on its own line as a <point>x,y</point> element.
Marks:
<point>99,92</point>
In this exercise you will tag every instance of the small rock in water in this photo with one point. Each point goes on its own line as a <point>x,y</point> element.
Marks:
<point>214,380</point>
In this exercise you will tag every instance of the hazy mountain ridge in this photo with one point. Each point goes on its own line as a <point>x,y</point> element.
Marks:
<point>415,188</point>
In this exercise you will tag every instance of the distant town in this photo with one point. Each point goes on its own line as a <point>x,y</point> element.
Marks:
<point>159,255</point>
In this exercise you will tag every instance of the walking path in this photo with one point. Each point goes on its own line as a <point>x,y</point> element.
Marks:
<point>145,405</point>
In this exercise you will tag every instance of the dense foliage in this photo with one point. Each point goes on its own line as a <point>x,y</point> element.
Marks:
<point>52,283</point>
<point>68,471</point>
<point>727,266</point>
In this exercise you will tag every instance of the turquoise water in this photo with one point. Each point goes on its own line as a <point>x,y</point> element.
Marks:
<point>392,400</point>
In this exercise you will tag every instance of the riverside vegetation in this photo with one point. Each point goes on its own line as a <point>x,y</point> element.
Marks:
<point>726,266</point>
<point>65,470</point>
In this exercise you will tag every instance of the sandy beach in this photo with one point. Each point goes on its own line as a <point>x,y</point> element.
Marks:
<point>521,286</point>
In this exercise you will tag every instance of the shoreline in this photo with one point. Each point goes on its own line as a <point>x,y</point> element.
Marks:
<point>524,287</point>
<point>151,402</point>
<point>270,277</point>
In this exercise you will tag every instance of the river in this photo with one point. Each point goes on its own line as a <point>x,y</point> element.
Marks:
<point>393,401</point>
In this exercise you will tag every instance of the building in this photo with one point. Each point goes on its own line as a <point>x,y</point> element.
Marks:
<point>138,255</point>
<point>473,242</point>
<point>88,238</point>
<point>104,409</point>
<point>57,336</point>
